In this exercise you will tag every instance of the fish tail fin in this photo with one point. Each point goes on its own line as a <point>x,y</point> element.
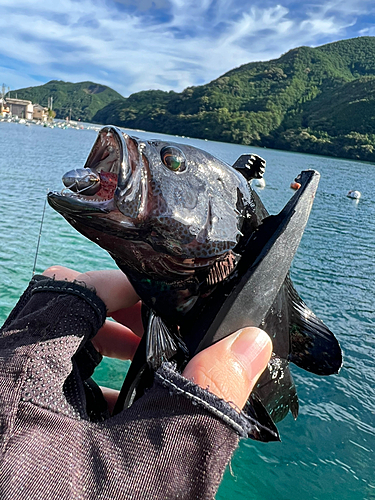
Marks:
<point>313,346</point>
<point>262,427</point>
<point>277,391</point>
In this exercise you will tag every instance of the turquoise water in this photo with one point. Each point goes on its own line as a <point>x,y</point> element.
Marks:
<point>328,453</point>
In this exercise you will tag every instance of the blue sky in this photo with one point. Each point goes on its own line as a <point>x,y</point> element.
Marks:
<point>134,45</point>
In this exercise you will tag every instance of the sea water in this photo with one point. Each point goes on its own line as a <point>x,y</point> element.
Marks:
<point>328,453</point>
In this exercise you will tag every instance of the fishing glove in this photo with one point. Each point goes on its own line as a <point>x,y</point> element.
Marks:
<point>57,439</point>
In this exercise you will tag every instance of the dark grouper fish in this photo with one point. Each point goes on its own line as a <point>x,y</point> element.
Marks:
<point>204,256</point>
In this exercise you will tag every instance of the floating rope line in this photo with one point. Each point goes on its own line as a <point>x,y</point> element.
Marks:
<point>40,234</point>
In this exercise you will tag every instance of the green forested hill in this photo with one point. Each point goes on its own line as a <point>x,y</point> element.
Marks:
<point>80,101</point>
<point>319,100</point>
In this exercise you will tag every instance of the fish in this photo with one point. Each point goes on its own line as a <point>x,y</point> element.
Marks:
<point>205,258</point>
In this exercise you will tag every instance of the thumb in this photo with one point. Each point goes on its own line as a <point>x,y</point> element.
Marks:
<point>231,367</point>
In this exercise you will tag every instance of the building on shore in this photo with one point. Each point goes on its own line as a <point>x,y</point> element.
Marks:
<point>40,113</point>
<point>20,108</point>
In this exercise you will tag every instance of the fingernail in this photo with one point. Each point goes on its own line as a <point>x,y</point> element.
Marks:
<point>252,347</point>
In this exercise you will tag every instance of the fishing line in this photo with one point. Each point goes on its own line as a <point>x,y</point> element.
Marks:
<point>41,222</point>
<point>69,188</point>
<point>40,234</point>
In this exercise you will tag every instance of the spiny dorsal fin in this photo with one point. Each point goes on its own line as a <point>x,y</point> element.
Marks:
<point>251,166</point>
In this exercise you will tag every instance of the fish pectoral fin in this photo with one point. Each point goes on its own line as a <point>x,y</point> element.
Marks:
<point>160,343</point>
<point>157,345</point>
<point>138,378</point>
<point>251,166</point>
<point>313,346</point>
<point>262,427</point>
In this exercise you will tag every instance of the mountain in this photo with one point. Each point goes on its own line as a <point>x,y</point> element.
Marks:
<point>318,100</point>
<point>315,100</point>
<point>79,101</point>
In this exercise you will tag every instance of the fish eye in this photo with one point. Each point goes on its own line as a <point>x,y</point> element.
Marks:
<point>173,158</point>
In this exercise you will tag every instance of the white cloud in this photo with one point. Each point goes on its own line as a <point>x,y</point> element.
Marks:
<point>367,31</point>
<point>100,40</point>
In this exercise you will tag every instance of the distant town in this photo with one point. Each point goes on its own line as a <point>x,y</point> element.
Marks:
<point>22,109</point>
<point>26,112</point>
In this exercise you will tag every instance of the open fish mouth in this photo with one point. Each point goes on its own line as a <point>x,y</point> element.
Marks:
<point>92,188</point>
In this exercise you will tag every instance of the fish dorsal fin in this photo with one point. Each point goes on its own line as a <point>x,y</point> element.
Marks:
<point>160,344</point>
<point>313,346</point>
<point>222,268</point>
<point>262,269</point>
<point>251,166</point>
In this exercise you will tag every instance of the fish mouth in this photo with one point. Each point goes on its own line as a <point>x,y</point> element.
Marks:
<point>106,175</point>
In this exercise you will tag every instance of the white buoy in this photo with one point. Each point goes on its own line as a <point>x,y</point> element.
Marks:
<point>260,183</point>
<point>354,194</point>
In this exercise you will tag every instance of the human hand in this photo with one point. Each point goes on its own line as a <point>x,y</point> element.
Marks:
<point>229,369</point>
<point>158,447</point>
